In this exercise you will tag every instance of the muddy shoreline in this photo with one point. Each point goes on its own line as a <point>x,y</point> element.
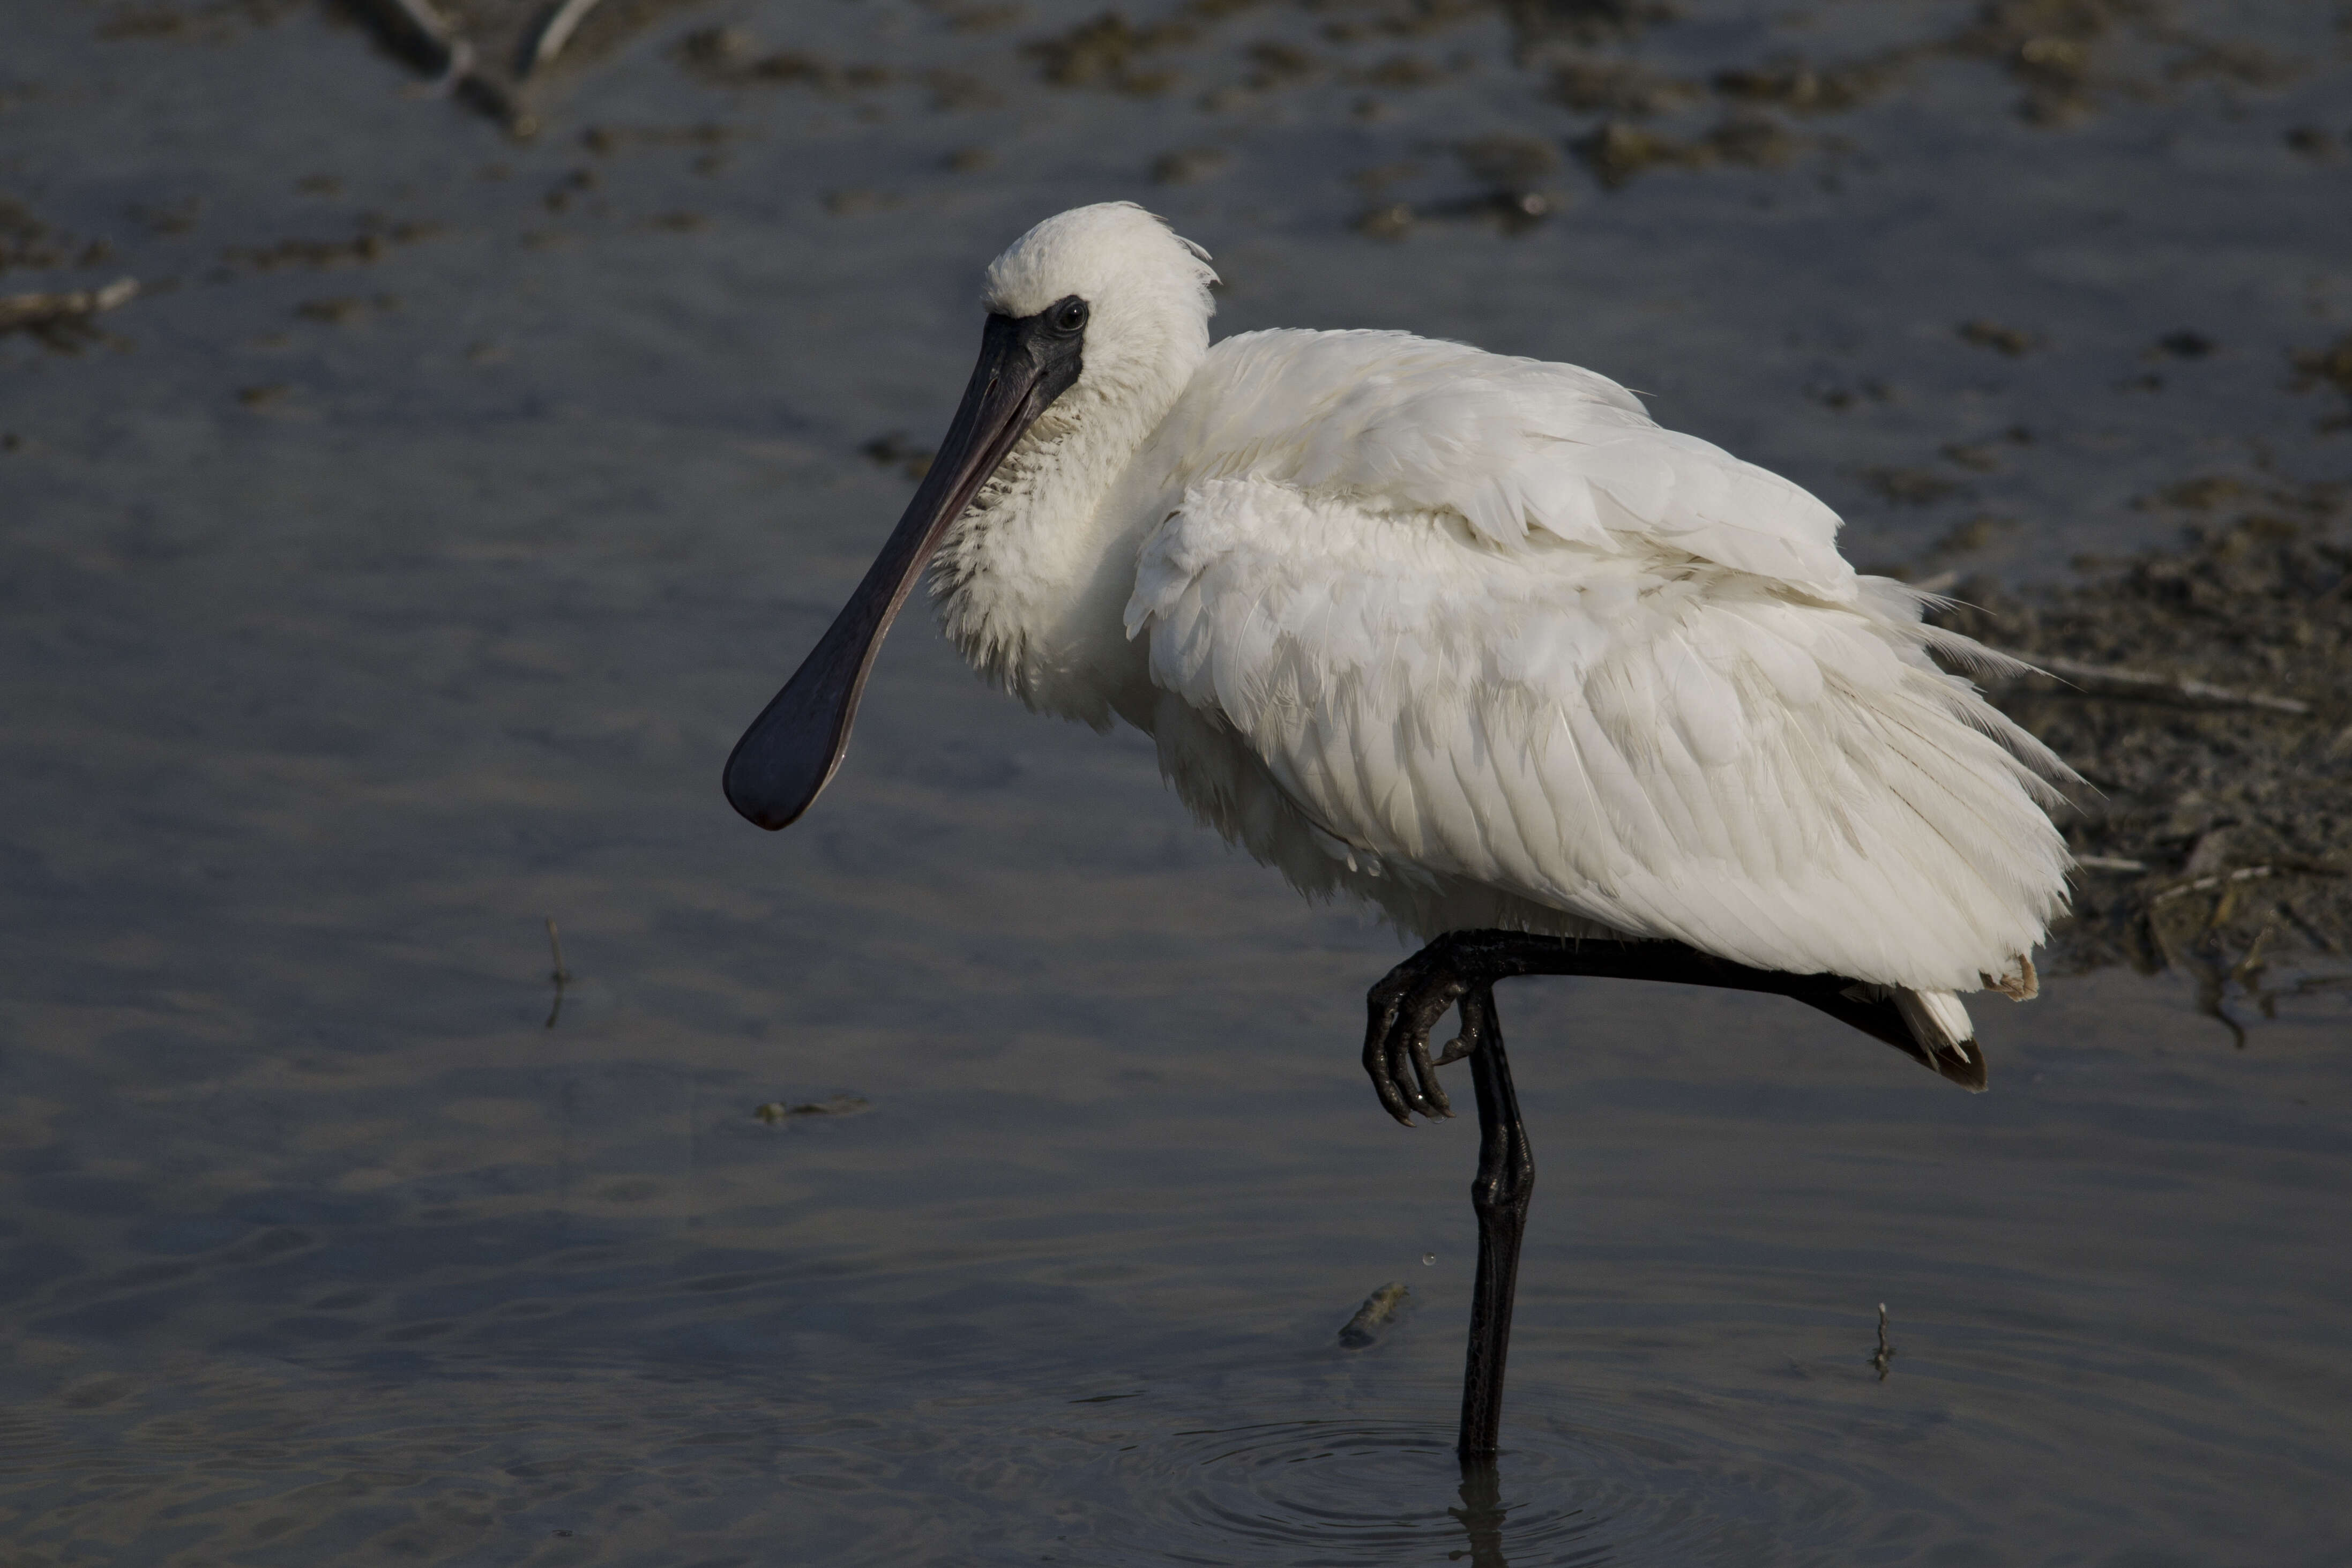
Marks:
<point>2215,824</point>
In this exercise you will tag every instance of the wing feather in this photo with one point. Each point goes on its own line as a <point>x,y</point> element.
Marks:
<point>1524,452</point>
<point>1633,739</point>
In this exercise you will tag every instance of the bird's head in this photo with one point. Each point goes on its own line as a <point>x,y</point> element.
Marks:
<point>1094,308</point>
<point>1137,293</point>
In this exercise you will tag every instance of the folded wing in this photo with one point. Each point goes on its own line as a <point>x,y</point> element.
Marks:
<point>1523,451</point>
<point>1624,729</point>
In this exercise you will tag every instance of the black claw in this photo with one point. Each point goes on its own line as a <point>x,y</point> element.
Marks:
<point>1424,1072</point>
<point>1402,1009</point>
<point>1383,1007</point>
<point>1401,1073</point>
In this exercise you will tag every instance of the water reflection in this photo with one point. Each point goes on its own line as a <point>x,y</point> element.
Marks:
<point>1481,1515</point>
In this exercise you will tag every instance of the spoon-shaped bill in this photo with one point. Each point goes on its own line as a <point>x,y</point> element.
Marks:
<point>791,749</point>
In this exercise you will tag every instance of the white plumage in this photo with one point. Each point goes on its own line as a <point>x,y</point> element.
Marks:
<point>1472,638</point>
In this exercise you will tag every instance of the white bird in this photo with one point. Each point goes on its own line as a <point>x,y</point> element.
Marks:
<point>1472,639</point>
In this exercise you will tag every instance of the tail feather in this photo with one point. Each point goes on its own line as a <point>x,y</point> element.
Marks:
<point>1931,1028</point>
<point>1938,1021</point>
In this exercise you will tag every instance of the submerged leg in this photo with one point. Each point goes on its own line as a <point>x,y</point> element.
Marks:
<point>1504,1185</point>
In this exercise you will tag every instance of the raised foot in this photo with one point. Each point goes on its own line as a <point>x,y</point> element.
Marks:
<point>1406,1005</point>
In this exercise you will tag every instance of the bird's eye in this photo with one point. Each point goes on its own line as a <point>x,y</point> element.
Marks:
<point>1070,315</point>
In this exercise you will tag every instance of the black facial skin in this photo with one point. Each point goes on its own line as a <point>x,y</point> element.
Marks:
<point>791,749</point>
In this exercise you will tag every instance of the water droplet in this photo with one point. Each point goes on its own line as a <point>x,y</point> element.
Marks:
<point>1429,1260</point>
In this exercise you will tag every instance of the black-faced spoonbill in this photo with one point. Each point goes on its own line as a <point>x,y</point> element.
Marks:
<point>1472,639</point>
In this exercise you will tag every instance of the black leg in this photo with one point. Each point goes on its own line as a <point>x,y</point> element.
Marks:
<point>1412,996</point>
<point>1506,1184</point>
<point>1460,969</point>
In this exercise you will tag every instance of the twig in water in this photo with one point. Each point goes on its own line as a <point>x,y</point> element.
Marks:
<point>554,32</point>
<point>1379,1308</point>
<point>48,315</point>
<point>1883,1359</point>
<point>2142,683</point>
<point>562,976</point>
<point>777,1110</point>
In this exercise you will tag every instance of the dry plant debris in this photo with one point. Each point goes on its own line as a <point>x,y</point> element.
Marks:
<point>2008,340</point>
<point>1538,22</point>
<point>2205,694</point>
<point>1105,51</point>
<point>1791,83</point>
<point>1618,88</point>
<point>2070,58</point>
<point>370,245</point>
<point>730,56</point>
<point>26,242</point>
<point>1617,151</point>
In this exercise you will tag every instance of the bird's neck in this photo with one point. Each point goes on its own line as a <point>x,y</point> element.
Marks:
<point>1032,581</point>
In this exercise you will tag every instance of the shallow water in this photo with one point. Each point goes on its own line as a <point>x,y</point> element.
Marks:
<point>345,648</point>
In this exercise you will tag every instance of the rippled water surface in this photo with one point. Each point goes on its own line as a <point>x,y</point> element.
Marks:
<point>371,602</point>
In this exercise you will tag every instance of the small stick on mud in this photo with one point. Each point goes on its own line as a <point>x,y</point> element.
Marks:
<point>2143,683</point>
<point>2109,863</point>
<point>562,976</point>
<point>48,312</point>
<point>2219,879</point>
<point>2242,874</point>
<point>1883,1359</point>
<point>554,32</point>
